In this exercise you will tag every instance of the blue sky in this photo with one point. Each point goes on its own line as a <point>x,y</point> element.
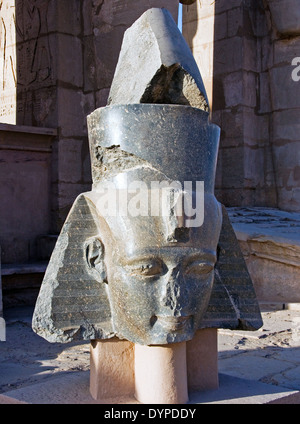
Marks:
<point>180,17</point>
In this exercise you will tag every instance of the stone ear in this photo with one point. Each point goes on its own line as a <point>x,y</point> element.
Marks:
<point>94,253</point>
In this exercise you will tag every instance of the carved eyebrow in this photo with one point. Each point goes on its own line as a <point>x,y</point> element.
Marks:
<point>140,259</point>
<point>207,257</point>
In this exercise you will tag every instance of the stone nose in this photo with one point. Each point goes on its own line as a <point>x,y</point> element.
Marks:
<point>174,292</point>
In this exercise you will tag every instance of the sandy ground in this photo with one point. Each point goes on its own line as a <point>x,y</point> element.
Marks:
<point>270,355</point>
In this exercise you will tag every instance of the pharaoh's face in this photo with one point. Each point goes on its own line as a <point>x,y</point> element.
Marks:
<point>160,289</point>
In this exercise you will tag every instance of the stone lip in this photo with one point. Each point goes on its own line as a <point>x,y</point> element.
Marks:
<point>270,242</point>
<point>175,140</point>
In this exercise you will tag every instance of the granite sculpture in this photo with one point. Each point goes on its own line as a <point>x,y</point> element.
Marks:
<point>133,259</point>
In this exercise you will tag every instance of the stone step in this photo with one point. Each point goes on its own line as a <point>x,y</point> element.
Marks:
<point>21,282</point>
<point>270,242</point>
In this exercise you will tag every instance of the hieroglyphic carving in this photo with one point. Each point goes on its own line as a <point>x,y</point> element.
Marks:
<point>25,63</point>
<point>7,61</point>
<point>34,70</point>
<point>33,48</point>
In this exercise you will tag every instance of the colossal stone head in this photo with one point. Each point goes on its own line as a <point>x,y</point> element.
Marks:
<point>149,254</point>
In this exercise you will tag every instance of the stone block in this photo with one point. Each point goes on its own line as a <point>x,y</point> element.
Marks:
<point>286,125</point>
<point>226,59</point>
<point>285,50</point>
<point>165,370</point>
<point>107,47</point>
<point>202,360</point>
<point>250,56</point>
<point>45,246</point>
<point>285,93</point>
<point>205,32</point>
<point>89,59</point>
<point>233,89</point>
<point>171,76</point>
<point>130,11</point>
<point>267,52</point>
<point>69,60</point>
<point>112,368</point>
<point>120,368</point>
<point>191,13</point>
<point>225,5</point>
<point>254,161</point>
<point>235,21</point>
<point>72,116</point>
<point>255,127</point>
<point>70,161</point>
<point>233,176</point>
<point>270,242</point>
<point>286,16</point>
<point>220,26</point>
<point>25,155</point>
<point>63,17</point>
<point>264,93</point>
<point>204,55</point>
<point>287,158</point>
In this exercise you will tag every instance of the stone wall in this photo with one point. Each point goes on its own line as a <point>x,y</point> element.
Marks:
<point>64,61</point>
<point>282,46</point>
<point>246,65</point>
<point>25,157</point>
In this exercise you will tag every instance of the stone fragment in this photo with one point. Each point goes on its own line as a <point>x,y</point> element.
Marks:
<point>156,65</point>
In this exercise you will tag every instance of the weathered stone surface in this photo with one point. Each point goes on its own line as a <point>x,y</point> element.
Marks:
<point>72,304</point>
<point>148,276</point>
<point>286,16</point>
<point>156,65</point>
<point>233,301</point>
<point>25,156</point>
<point>112,130</point>
<point>270,242</point>
<point>111,369</point>
<point>73,301</point>
<point>8,64</point>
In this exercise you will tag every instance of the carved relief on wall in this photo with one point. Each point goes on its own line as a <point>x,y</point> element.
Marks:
<point>7,62</point>
<point>34,70</point>
<point>34,59</point>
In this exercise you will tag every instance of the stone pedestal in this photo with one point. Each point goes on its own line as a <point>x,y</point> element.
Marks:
<point>112,368</point>
<point>161,374</point>
<point>154,374</point>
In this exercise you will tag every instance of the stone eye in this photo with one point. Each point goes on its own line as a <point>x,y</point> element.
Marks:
<point>199,268</point>
<point>147,268</point>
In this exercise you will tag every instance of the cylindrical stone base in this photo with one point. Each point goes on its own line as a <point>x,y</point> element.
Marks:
<point>161,374</point>
<point>112,368</point>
